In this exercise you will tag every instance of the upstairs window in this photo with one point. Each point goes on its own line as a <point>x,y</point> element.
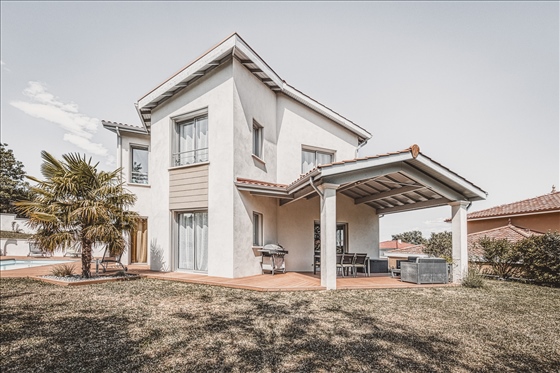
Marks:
<point>192,141</point>
<point>257,229</point>
<point>257,139</point>
<point>313,158</point>
<point>139,166</point>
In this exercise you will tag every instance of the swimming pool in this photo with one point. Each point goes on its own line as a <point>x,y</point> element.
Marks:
<point>9,264</point>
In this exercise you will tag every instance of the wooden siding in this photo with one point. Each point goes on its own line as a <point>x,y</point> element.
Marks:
<point>188,188</point>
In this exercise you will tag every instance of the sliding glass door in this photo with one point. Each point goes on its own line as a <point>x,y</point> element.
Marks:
<point>193,241</point>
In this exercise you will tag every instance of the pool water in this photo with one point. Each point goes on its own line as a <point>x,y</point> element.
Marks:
<point>9,264</point>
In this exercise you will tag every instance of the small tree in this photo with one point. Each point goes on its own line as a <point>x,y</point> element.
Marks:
<point>440,245</point>
<point>540,256</point>
<point>12,186</point>
<point>77,204</point>
<point>414,237</point>
<point>502,255</point>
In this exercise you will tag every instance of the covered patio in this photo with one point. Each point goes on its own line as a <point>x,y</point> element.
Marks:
<point>389,183</point>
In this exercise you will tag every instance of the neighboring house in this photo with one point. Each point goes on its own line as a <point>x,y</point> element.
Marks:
<point>509,232</point>
<point>541,214</point>
<point>404,251</point>
<point>387,246</point>
<point>229,157</point>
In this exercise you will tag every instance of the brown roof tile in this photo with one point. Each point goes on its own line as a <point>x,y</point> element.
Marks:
<point>509,232</point>
<point>412,249</point>
<point>394,244</point>
<point>544,203</point>
<point>261,183</point>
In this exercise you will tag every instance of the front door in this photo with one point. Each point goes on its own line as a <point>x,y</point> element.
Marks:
<point>193,241</point>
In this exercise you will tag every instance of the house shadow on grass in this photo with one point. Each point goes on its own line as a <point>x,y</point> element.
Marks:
<point>69,344</point>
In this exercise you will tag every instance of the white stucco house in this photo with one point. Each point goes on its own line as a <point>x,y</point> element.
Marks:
<point>229,157</point>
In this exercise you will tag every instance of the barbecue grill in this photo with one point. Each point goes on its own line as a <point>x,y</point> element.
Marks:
<point>272,258</point>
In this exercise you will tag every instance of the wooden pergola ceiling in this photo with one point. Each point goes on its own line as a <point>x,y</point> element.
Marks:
<point>391,193</point>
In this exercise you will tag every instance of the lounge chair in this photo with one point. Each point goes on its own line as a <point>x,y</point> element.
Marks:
<point>107,260</point>
<point>35,250</point>
<point>74,250</point>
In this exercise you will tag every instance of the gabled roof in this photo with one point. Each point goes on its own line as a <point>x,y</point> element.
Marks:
<point>394,244</point>
<point>542,204</point>
<point>509,232</point>
<point>235,47</point>
<point>394,182</point>
<point>412,249</point>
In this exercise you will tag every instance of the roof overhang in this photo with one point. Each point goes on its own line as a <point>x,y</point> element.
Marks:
<point>121,127</point>
<point>390,183</point>
<point>235,47</point>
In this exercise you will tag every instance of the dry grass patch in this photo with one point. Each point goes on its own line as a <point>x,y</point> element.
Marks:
<point>150,325</point>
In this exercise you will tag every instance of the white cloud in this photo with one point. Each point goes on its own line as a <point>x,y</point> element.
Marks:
<point>111,161</point>
<point>47,106</point>
<point>3,66</point>
<point>86,144</point>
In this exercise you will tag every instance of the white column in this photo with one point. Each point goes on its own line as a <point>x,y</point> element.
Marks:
<point>374,254</point>
<point>328,236</point>
<point>460,254</point>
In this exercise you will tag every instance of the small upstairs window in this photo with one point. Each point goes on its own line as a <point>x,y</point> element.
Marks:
<point>192,141</point>
<point>257,139</point>
<point>313,158</point>
<point>139,165</point>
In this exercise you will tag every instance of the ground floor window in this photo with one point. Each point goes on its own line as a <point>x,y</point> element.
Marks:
<point>193,241</point>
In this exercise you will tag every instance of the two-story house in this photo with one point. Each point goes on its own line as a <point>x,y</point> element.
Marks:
<point>230,157</point>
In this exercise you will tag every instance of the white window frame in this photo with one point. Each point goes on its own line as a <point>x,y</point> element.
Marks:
<point>257,139</point>
<point>258,229</point>
<point>131,177</point>
<point>176,122</point>
<point>316,151</point>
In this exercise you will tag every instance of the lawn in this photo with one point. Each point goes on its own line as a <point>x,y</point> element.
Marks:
<point>154,326</point>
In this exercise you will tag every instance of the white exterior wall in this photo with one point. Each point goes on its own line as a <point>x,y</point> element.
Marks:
<point>234,98</point>
<point>295,229</point>
<point>299,125</point>
<point>252,100</point>
<point>142,191</point>
<point>213,92</point>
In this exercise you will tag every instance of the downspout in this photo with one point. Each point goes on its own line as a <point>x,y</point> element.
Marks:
<point>312,183</point>
<point>119,153</point>
<point>359,147</point>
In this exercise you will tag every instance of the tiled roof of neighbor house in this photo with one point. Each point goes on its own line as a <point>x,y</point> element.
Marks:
<point>509,232</point>
<point>545,203</point>
<point>412,249</point>
<point>394,244</point>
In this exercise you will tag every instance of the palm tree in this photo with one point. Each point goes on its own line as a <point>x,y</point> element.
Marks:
<point>77,204</point>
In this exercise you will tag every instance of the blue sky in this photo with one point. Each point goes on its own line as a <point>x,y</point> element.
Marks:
<point>474,84</point>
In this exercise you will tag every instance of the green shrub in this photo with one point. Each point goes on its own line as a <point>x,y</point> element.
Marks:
<point>502,255</point>
<point>473,279</point>
<point>541,257</point>
<point>63,270</point>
